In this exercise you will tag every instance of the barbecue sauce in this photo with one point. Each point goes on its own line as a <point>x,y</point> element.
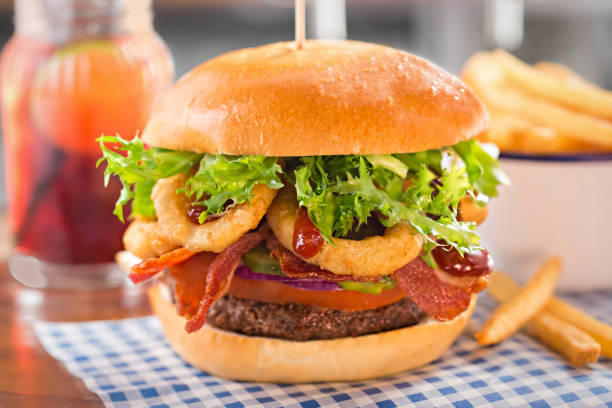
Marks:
<point>194,212</point>
<point>477,263</point>
<point>307,239</point>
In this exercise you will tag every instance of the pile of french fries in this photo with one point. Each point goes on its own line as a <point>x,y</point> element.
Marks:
<point>579,337</point>
<point>546,108</point>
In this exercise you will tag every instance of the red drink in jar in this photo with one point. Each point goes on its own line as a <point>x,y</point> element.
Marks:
<point>72,72</point>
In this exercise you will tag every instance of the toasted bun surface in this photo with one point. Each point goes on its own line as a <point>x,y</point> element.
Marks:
<point>261,359</point>
<point>330,97</point>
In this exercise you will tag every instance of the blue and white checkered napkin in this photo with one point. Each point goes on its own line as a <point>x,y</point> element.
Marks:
<point>129,364</point>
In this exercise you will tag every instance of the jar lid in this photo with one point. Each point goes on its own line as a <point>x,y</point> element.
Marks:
<point>66,20</point>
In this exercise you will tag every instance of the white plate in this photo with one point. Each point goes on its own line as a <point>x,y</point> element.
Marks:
<point>556,206</point>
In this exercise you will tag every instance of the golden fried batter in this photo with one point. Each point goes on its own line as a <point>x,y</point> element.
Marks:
<point>214,235</point>
<point>145,239</point>
<point>368,257</point>
<point>470,211</point>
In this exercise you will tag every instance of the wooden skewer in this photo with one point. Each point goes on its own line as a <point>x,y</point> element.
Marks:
<point>300,23</point>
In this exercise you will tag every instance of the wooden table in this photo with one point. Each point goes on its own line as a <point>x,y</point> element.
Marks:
<point>29,377</point>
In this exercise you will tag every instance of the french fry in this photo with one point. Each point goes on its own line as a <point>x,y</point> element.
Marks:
<point>559,71</point>
<point>573,94</point>
<point>481,71</point>
<point>563,73</point>
<point>539,139</point>
<point>600,331</point>
<point>578,125</point>
<point>516,310</point>
<point>501,133</point>
<point>578,347</point>
<point>574,344</point>
<point>513,133</point>
<point>502,287</point>
<point>573,130</point>
<point>507,131</point>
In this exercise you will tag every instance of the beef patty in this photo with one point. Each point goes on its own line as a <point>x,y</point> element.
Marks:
<point>292,321</point>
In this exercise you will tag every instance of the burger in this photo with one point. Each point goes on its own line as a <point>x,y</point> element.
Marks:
<point>309,214</point>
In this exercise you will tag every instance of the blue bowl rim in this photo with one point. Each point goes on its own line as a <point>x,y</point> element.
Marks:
<point>571,157</point>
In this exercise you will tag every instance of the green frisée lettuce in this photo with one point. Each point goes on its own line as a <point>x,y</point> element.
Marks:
<point>337,205</point>
<point>142,203</point>
<point>340,193</point>
<point>482,169</point>
<point>220,178</point>
<point>387,161</point>
<point>432,159</point>
<point>139,168</point>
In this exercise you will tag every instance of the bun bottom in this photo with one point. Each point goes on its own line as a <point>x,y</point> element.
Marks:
<point>239,357</point>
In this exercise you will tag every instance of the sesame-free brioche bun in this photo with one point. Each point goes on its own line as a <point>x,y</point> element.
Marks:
<point>330,97</point>
<point>263,359</point>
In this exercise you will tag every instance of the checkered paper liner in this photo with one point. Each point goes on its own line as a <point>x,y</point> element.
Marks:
<point>128,363</point>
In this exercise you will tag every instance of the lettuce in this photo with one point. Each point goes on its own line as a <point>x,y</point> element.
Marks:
<point>218,178</point>
<point>142,203</point>
<point>139,168</point>
<point>337,205</point>
<point>340,193</point>
<point>482,169</point>
<point>221,178</point>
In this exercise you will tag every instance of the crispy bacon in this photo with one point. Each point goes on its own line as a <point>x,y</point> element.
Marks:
<point>150,267</point>
<point>474,283</point>
<point>440,300</point>
<point>190,282</point>
<point>220,273</point>
<point>294,267</point>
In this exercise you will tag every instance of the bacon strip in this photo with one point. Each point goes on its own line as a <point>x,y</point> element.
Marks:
<point>294,267</point>
<point>438,299</point>
<point>150,267</point>
<point>474,283</point>
<point>220,274</point>
<point>190,282</point>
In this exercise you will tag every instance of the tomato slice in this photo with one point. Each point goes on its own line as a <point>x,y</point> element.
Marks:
<point>276,292</point>
<point>190,279</point>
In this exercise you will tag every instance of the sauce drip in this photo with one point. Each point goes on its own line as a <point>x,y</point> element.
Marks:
<point>478,263</point>
<point>194,212</point>
<point>307,240</point>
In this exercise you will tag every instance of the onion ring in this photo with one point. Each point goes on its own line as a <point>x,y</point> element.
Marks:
<point>371,256</point>
<point>214,235</point>
<point>145,240</point>
<point>472,212</point>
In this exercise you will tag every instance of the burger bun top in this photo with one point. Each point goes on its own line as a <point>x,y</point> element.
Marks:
<point>329,97</point>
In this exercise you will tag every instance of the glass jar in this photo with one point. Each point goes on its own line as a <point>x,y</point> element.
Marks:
<point>73,70</point>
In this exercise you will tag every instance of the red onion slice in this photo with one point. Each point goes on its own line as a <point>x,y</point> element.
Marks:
<point>245,272</point>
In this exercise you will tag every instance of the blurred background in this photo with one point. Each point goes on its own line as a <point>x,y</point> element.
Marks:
<point>444,31</point>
